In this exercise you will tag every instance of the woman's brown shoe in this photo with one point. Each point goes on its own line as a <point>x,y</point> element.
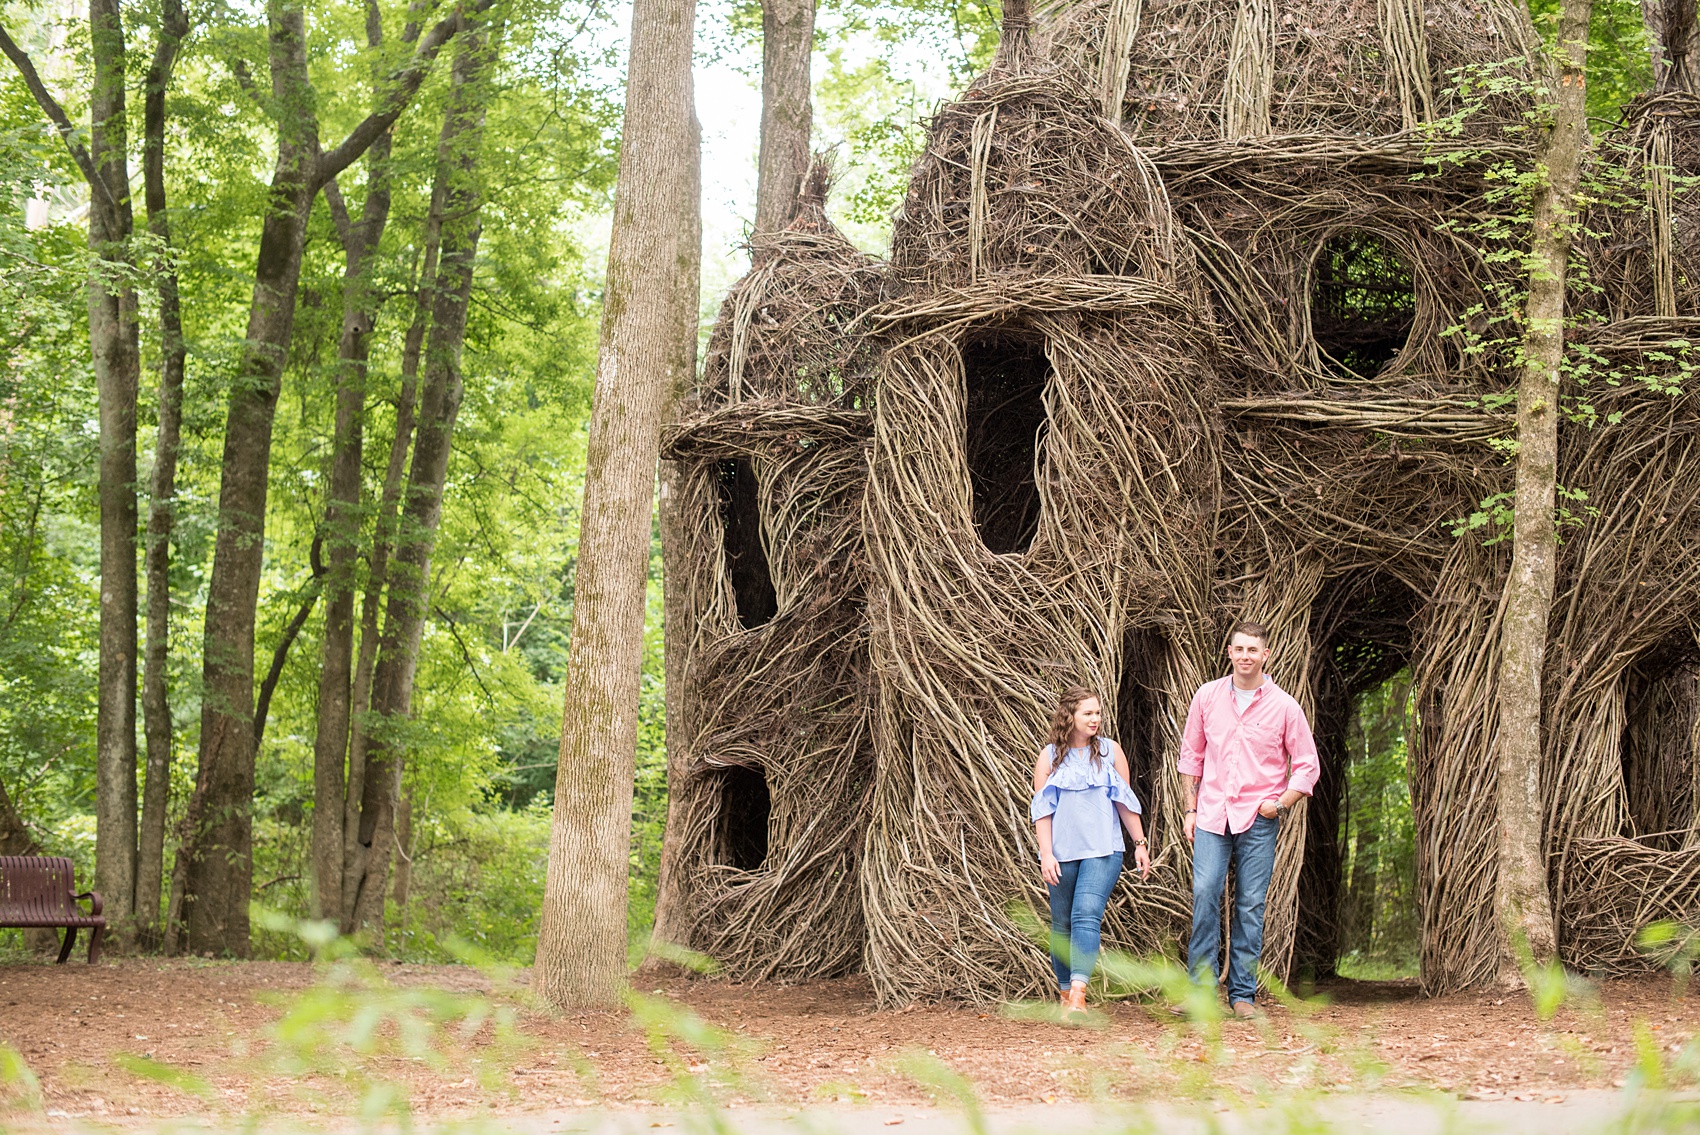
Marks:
<point>1074,1001</point>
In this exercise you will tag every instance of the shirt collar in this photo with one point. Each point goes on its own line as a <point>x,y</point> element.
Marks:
<point>1268,686</point>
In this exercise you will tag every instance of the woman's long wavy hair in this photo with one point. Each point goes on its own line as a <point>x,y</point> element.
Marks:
<point>1062,723</point>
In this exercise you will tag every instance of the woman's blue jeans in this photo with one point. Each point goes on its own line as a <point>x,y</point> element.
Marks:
<point>1252,853</point>
<point>1077,914</point>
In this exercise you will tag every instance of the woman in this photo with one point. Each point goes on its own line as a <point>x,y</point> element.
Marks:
<point>1081,802</point>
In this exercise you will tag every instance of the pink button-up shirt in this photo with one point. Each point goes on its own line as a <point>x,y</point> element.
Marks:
<point>1241,759</point>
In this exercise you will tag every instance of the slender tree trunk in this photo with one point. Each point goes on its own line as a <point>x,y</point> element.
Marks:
<point>404,848</point>
<point>408,576</point>
<point>675,633</point>
<point>342,515</point>
<point>649,319</point>
<point>371,609</point>
<point>383,541</point>
<point>117,367</point>
<point>1366,863</point>
<point>787,43</point>
<point>291,630</point>
<point>1524,902</point>
<point>156,705</point>
<point>218,879</point>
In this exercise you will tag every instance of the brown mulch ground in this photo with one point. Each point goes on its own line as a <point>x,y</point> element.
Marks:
<point>211,1022</point>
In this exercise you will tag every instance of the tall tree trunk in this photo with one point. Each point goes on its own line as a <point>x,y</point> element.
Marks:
<point>218,881</point>
<point>670,925</point>
<point>1523,899</point>
<point>117,367</point>
<point>408,576</point>
<point>342,523</point>
<point>383,541</point>
<point>649,328</point>
<point>787,43</point>
<point>156,705</point>
<point>787,47</point>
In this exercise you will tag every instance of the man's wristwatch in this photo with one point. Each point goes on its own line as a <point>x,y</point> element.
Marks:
<point>1281,810</point>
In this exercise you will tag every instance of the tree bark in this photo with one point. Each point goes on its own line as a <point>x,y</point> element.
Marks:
<point>408,575</point>
<point>670,915</point>
<point>787,45</point>
<point>342,522</point>
<point>156,704</point>
<point>649,328</point>
<point>218,881</point>
<point>1523,899</point>
<point>117,367</point>
<point>383,540</point>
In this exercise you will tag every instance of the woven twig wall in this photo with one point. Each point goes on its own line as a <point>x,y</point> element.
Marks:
<point>1089,414</point>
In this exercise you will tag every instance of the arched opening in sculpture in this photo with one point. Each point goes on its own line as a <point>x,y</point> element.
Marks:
<point>1139,710</point>
<point>1357,888</point>
<point>1006,371</point>
<point>740,826</point>
<point>744,554</point>
<point>1661,702</point>
<point>1363,303</point>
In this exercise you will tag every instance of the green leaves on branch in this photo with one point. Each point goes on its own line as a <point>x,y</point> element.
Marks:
<point>1495,514</point>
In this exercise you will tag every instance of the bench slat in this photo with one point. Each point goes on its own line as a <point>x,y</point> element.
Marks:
<point>40,891</point>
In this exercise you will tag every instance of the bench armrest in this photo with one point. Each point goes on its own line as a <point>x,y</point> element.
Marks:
<point>94,902</point>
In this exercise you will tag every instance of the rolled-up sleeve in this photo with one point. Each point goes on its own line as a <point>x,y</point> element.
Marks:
<point>1301,751</point>
<point>1191,759</point>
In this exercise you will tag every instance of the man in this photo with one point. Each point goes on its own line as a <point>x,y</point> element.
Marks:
<point>1247,757</point>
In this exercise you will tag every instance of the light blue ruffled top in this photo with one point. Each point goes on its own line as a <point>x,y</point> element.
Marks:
<point>1081,800</point>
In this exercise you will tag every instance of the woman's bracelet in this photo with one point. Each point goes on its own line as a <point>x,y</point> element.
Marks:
<point>1189,811</point>
<point>1139,843</point>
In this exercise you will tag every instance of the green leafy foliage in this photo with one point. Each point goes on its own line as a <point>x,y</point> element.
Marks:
<point>1614,181</point>
<point>1380,932</point>
<point>485,715</point>
<point>1619,65</point>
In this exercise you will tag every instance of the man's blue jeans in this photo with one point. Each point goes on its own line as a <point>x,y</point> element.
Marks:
<point>1077,914</point>
<point>1252,853</point>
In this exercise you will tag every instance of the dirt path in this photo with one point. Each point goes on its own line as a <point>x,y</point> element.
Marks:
<point>204,1033</point>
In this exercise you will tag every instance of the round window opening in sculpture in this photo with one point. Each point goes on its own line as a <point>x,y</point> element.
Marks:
<point>1363,303</point>
<point>1006,370</point>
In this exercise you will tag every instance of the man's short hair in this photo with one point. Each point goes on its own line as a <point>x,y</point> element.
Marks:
<point>1250,630</point>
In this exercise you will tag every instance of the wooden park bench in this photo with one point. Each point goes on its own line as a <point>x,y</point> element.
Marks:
<point>36,891</point>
